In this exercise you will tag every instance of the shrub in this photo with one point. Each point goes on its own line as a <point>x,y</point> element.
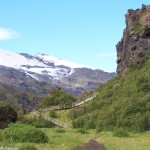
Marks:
<point>82,131</point>
<point>41,123</point>
<point>36,122</point>
<point>53,114</point>
<point>58,96</point>
<point>28,147</point>
<point>120,133</point>
<point>59,130</point>
<point>23,133</point>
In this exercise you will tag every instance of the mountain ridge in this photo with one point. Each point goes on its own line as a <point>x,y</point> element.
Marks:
<point>42,73</point>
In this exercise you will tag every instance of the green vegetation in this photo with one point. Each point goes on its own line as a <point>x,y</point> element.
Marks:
<point>85,94</point>
<point>36,122</point>
<point>23,133</point>
<point>122,105</point>
<point>133,142</point>
<point>137,27</point>
<point>122,102</point>
<point>5,104</point>
<point>120,133</point>
<point>28,147</point>
<point>82,131</point>
<point>52,113</point>
<point>71,138</point>
<point>68,139</point>
<point>41,123</point>
<point>59,130</point>
<point>57,97</point>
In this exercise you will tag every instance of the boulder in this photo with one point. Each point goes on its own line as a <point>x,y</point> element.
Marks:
<point>7,115</point>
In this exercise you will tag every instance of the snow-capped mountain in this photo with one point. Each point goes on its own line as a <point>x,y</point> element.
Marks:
<point>40,64</point>
<point>42,73</point>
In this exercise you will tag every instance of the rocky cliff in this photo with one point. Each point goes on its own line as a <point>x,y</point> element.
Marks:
<point>135,43</point>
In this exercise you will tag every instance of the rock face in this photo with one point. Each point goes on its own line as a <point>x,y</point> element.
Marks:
<point>135,43</point>
<point>7,115</point>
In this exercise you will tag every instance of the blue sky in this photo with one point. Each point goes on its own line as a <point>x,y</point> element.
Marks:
<point>81,31</point>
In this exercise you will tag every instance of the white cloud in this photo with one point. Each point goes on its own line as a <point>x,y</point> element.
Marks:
<point>7,33</point>
<point>106,55</point>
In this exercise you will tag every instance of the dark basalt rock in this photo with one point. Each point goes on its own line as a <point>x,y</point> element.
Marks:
<point>135,44</point>
<point>7,115</point>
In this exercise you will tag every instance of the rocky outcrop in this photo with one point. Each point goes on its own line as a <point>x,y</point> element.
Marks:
<point>135,44</point>
<point>7,115</point>
<point>20,100</point>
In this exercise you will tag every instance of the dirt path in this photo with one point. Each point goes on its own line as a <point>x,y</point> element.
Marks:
<point>92,145</point>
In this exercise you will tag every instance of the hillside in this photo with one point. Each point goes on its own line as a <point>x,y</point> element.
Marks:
<point>122,102</point>
<point>125,100</point>
<point>21,100</point>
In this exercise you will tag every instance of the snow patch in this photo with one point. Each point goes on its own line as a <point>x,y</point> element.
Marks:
<point>59,62</point>
<point>17,61</point>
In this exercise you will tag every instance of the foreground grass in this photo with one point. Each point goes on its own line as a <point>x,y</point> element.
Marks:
<point>68,139</point>
<point>133,142</point>
<point>59,139</point>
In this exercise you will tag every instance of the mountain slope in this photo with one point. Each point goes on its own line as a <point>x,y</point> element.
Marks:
<point>122,102</point>
<point>33,77</point>
<point>21,100</point>
<point>24,70</point>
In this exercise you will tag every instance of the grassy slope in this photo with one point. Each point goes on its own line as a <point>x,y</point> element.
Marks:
<point>122,102</point>
<point>133,142</point>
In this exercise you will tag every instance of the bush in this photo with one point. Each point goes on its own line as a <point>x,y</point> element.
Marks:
<point>82,131</point>
<point>59,130</point>
<point>57,97</point>
<point>53,114</point>
<point>36,122</point>
<point>41,123</point>
<point>23,133</point>
<point>28,147</point>
<point>120,133</point>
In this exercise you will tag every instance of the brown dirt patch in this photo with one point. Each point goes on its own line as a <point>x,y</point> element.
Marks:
<point>91,145</point>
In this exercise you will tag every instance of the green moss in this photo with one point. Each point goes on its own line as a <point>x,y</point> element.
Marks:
<point>137,27</point>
